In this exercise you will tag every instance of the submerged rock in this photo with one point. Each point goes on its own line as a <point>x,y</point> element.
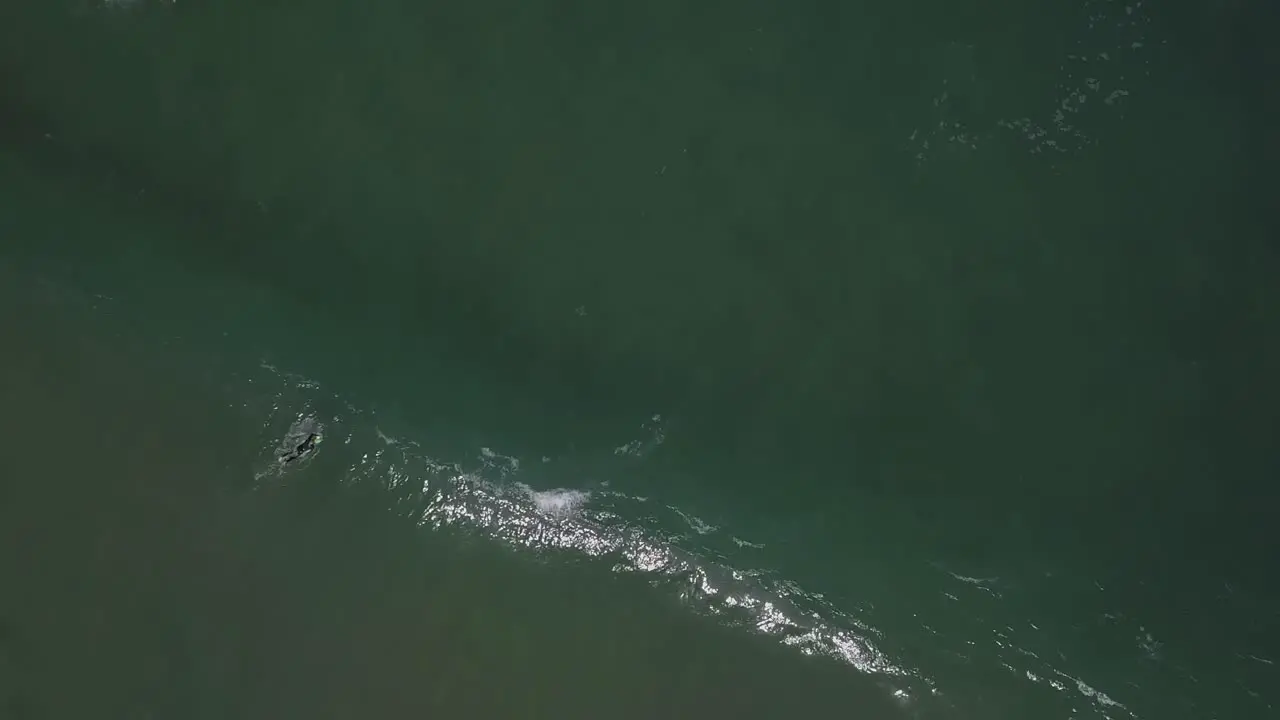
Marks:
<point>300,442</point>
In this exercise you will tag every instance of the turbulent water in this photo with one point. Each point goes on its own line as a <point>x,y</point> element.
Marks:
<point>638,534</point>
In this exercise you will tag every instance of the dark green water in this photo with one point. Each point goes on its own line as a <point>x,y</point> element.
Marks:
<point>673,360</point>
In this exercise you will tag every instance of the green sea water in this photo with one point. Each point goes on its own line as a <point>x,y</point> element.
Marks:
<point>672,360</point>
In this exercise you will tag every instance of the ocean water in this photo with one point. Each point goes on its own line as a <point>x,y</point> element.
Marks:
<point>742,360</point>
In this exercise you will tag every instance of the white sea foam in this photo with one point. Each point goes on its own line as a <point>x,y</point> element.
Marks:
<point>558,502</point>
